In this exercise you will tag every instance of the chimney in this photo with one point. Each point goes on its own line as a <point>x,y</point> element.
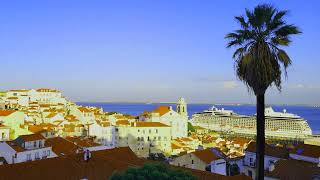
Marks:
<point>87,155</point>
<point>170,108</point>
<point>271,167</point>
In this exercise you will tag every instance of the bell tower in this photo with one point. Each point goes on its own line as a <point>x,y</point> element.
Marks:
<point>182,107</point>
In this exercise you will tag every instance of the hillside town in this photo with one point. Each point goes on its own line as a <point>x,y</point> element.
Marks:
<point>40,128</point>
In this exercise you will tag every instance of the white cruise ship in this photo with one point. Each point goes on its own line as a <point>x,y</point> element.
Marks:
<point>277,124</point>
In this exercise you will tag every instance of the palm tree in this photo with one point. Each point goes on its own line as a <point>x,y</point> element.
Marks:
<point>259,59</point>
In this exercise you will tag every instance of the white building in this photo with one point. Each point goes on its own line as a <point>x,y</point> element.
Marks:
<point>272,155</point>
<point>25,148</point>
<point>104,133</point>
<point>204,160</point>
<point>166,115</point>
<point>144,137</point>
<point>84,114</point>
<point>13,119</point>
<point>4,133</point>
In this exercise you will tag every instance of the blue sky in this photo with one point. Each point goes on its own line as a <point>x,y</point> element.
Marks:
<point>152,50</point>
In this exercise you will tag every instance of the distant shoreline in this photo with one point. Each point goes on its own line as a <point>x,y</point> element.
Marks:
<point>222,104</point>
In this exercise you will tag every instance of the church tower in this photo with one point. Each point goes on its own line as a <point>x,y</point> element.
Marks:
<point>182,107</point>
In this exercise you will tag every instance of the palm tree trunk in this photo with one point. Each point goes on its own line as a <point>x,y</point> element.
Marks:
<point>260,137</point>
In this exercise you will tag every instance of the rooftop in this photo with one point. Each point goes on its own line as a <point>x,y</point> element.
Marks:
<point>31,137</point>
<point>100,166</point>
<point>6,112</point>
<point>61,146</point>
<point>294,169</point>
<point>273,151</point>
<point>162,110</point>
<point>306,150</point>
<point>206,155</point>
<point>148,124</point>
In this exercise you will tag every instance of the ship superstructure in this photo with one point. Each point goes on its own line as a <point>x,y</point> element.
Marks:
<point>277,124</point>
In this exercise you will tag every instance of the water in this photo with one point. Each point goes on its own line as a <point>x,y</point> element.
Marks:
<point>311,114</point>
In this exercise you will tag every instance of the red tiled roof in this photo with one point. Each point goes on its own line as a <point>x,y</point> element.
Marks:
<point>82,142</point>
<point>273,151</point>
<point>162,110</point>
<point>6,112</point>
<point>31,137</point>
<point>14,146</point>
<point>101,166</point>
<point>61,146</point>
<point>148,124</point>
<point>294,169</point>
<point>206,156</point>
<point>306,150</point>
<point>84,109</point>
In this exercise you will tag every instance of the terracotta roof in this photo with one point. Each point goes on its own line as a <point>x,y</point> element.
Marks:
<point>162,110</point>
<point>306,150</point>
<point>104,124</point>
<point>61,146</point>
<point>206,156</point>
<point>6,112</point>
<point>45,105</point>
<point>3,126</point>
<point>82,142</point>
<point>294,170</point>
<point>19,90</point>
<point>101,166</point>
<point>122,122</point>
<point>175,146</point>
<point>186,139</point>
<point>14,98</point>
<point>31,137</point>
<point>84,109</point>
<point>70,117</point>
<point>241,141</point>
<point>39,128</point>
<point>47,90</point>
<point>51,115</point>
<point>14,146</point>
<point>273,151</point>
<point>148,124</point>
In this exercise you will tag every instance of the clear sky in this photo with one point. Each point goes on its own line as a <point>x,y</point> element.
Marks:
<point>145,50</point>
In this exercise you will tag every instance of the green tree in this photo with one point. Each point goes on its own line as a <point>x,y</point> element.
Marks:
<point>259,59</point>
<point>190,127</point>
<point>152,171</point>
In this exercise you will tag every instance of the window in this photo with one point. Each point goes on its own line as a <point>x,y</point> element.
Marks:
<point>156,130</point>
<point>148,138</point>
<point>28,157</point>
<point>149,131</point>
<point>48,152</point>
<point>44,153</point>
<point>36,156</point>
<point>159,138</point>
<point>40,144</point>
<point>35,144</point>
<point>192,162</point>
